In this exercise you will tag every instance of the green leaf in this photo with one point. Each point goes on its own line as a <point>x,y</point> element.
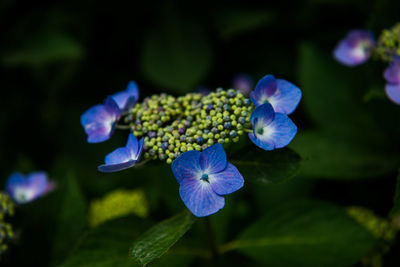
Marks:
<point>328,156</point>
<point>231,23</point>
<point>70,210</point>
<point>333,96</point>
<point>43,49</point>
<point>156,241</point>
<point>108,245</point>
<point>267,167</point>
<point>176,55</point>
<point>395,212</point>
<point>305,234</point>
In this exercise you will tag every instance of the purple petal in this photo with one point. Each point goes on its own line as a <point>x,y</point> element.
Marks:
<point>392,73</point>
<point>199,197</point>
<point>99,121</point>
<point>393,92</point>
<point>264,89</point>
<point>227,181</point>
<point>355,49</point>
<point>277,134</point>
<point>116,167</point>
<point>264,113</point>
<point>286,97</point>
<point>38,181</point>
<point>187,166</point>
<point>213,159</point>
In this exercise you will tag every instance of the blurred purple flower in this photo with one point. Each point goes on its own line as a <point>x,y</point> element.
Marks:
<point>204,178</point>
<point>355,48</point>
<point>243,83</point>
<point>26,189</point>
<point>392,77</point>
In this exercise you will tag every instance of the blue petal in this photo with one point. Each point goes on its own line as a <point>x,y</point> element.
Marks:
<point>132,144</point>
<point>263,144</point>
<point>264,113</point>
<point>227,181</point>
<point>14,180</point>
<point>265,87</point>
<point>128,98</point>
<point>133,90</point>
<point>116,167</point>
<point>119,155</point>
<point>199,197</point>
<point>393,92</point>
<point>392,73</point>
<point>112,107</point>
<point>286,97</point>
<point>213,159</point>
<point>187,166</point>
<point>277,134</point>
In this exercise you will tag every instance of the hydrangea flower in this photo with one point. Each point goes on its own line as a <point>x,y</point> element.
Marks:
<point>128,98</point>
<point>99,121</point>
<point>244,83</point>
<point>26,189</point>
<point>392,76</point>
<point>123,157</point>
<point>355,48</point>
<point>271,129</point>
<point>281,94</point>
<point>204,178</point>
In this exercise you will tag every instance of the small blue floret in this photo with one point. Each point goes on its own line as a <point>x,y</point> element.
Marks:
<point>123,157</point>
<point>204,178</point>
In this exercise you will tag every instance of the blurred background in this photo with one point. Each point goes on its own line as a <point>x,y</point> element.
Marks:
<point>58,58</point>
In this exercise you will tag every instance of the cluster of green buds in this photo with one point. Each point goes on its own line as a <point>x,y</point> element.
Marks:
<point>6,233</point>
<point>173,125</point>
<point>389,43</point>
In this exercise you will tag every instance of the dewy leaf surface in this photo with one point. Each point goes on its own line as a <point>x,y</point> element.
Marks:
<point>156,241</point>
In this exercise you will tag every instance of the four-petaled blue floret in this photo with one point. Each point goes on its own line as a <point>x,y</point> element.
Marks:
<point>392,77</point>
<point>204,178</point>
<point>271,129</point>
<point>123,157</point>
<point>281,94</point>
<point>355,48</point>
<point>23,189</point>
<point>99,121</point>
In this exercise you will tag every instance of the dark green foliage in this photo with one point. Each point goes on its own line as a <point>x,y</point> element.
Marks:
<point>156,241</point>
<point>266,167</point>
<point>305,234</point>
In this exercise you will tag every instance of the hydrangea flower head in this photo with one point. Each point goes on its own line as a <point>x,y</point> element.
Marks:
<point>355,48</point>
<point>281,94</point>
<point>271,130</point>
<point>125,100</point>
<point>26,189</point>
<point>123,157</point>
<point>244,83</point>
<point>204,178</point>
<point>392,76</point>
<point>99,121</point>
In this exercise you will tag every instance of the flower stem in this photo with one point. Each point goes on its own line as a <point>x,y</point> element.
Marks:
<point>122,127</point>
<point>211,239</point>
